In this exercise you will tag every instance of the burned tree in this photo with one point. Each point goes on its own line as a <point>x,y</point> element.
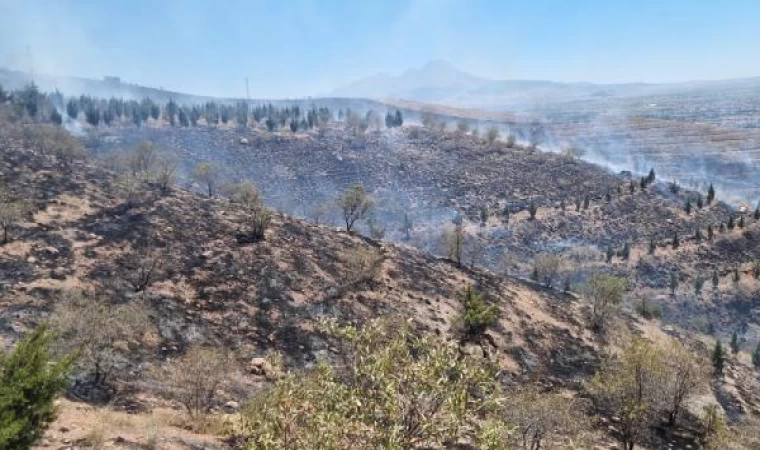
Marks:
<point>453,243</point>
<point>12,210</point>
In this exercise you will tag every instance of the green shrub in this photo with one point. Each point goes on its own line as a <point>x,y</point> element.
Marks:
<point>478,315</point>
<point>395,391</point>
<point>29,381</point>
<point>648,310</point>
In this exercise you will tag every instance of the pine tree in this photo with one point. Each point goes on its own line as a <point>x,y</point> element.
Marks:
<point>673,283</point>
<point>171,112</point>
<point>626,252</point>
<point>737,276</point>
<point>757,213</point>
<point>136,117</point>
<point>183,119</point>
<point>92,114</point>
<point>718,358</point>
<point>72,109</point>
<point>652,246</point>
<point>29,382</point>
<point>651,177</point>
<point>532,209</point>
<point>407,226</point>
<point>741,221</point>
<point>687,207</point>
<point>586,202</point>
<point>56,117</point>
<point>710,194</point>
<point>30,99</point>
<point>399,119</point>
<point>676,242</point>
<point>735,343</point>
<point>710,232</point>
<point>610,254</point>
<point>700,202</point>
<point>107,116</point>
<point>731,224</point>
<point>756,356</point>
<point>699,283</point>
<point>715,280</point>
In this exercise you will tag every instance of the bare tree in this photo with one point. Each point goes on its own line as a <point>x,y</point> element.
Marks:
<point>12,210</point>
<point>355,204</point>
<point>194,378</point>
<point>206,174</point>
<point>98,331</point>
<point>546,267</point>
<point>319,212</point>
<point>259,216</point>
<point>463,127</point>
<point>545,420</point>
<point>362,266</point>
<point>453,243</point>
<point>427,119</point>
<point>143,267</point>
<point>686,376</point>
<point>629,387</point>
<point>142,160</point>
<point>167,165</point>
<point>492,134</point>
<point>536,133</point>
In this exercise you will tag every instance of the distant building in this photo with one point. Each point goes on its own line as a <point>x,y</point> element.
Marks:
<point>112,80</point>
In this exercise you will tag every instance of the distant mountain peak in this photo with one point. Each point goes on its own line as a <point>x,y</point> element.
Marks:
<point>433,80</point>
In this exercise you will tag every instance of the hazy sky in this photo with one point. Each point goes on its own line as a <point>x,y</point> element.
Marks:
<point>308,47</point>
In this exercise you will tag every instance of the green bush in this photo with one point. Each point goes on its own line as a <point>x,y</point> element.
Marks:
<point>478,315</point>
<point>394,391</point>
<point>29,381</point>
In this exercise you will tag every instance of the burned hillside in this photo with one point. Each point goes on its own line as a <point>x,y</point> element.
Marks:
<point>168,272</point>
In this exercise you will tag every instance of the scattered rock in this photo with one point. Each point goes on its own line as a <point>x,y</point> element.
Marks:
<point>231,407</point>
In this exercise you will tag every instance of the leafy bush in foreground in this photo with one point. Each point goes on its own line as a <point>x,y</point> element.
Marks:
<point>395,391</point>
